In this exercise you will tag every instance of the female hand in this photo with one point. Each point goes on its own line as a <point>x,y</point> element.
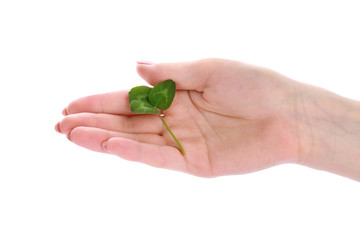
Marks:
<point>230,117</point>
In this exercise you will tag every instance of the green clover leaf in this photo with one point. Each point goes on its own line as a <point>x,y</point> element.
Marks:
<point>146,100</point>
<point>142,107</point>
<point>162,95</point>
<point>139,102</point>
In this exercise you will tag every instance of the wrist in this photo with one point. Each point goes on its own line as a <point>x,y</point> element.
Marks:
<point>329,131</point>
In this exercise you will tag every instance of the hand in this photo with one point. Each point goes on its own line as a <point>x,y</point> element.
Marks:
<point>230,117</point>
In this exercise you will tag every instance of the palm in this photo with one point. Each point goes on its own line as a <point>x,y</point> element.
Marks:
<point>222,129</point>
<point>227,133</point>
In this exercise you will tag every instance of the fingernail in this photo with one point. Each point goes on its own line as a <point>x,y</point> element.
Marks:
<point>104,146</point>
<point>145,62</point>
<point>57,127</point>
<point>68,136</point>
<point>64,112</point>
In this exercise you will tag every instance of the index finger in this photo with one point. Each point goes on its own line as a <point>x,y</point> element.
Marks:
<point>111,103</point>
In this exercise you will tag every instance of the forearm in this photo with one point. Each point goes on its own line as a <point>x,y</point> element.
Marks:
<point>329,131</point>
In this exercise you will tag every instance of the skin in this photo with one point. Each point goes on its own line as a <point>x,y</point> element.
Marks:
<point>230,117</point>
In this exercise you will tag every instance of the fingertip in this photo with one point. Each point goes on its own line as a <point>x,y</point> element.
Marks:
<point>68,136</point>
<point>57,127</point>
<point>65,112</point>
<point>146,72</point>
<point>104,146</point>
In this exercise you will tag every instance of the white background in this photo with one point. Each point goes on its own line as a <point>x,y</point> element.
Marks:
<point>52,52</point>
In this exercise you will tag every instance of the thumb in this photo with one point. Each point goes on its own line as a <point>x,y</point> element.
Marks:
<point>192,75</point>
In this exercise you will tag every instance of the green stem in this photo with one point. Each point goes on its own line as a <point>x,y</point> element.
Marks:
<point>167,127</point>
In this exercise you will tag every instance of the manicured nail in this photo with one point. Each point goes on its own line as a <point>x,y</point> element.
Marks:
<point>145,62</point>
<point>64,112</point>
<point>68,135</point>
<point>57,127</point>
<point>104,146</point>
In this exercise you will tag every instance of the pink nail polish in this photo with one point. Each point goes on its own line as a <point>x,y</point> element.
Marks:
<point>64,112</point>
<point>104,146</point>
<point>145,62</point>
<point>68,136</point>
<point>57,127</point>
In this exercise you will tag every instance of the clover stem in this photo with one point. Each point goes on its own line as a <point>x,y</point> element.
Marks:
<point>172,134</point>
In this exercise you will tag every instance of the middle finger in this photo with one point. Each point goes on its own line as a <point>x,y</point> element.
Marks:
<point>118,123</point>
